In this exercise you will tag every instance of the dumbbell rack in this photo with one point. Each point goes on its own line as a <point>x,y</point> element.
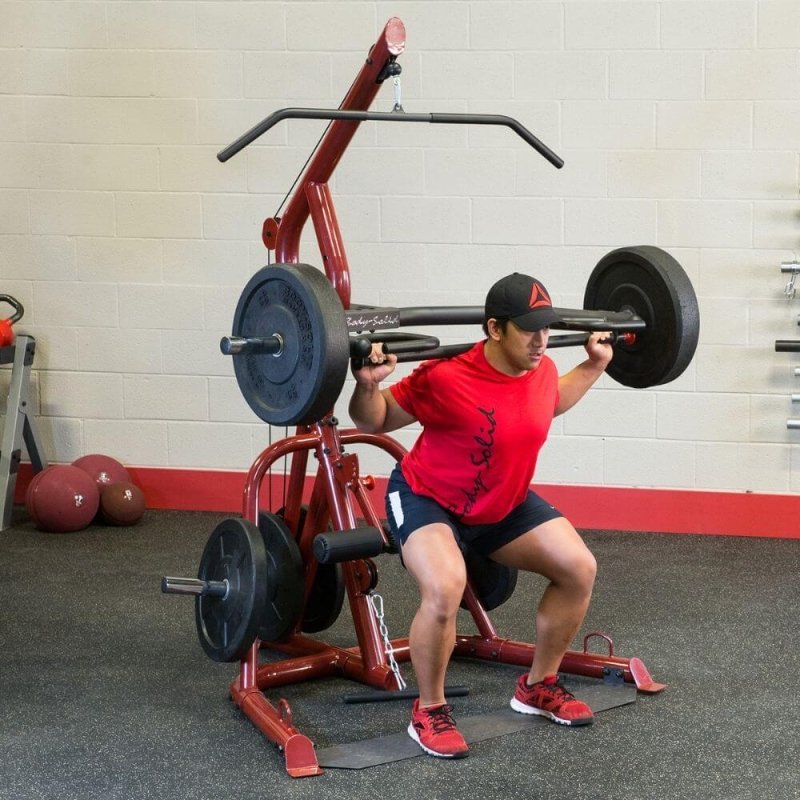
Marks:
<point>339,491</point>
<point>791,268</point>
<point>19,426</point>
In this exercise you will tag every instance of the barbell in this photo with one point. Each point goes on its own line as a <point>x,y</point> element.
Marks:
<point>292,340</point>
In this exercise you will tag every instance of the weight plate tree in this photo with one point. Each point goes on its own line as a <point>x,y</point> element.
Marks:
<point>298,384</point>
<point>652,284</point>
<point>227,625</point>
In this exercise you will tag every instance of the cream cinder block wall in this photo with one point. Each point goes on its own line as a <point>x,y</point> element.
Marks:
<point>128,243</point>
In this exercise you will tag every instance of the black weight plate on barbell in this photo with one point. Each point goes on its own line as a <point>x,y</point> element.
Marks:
<point>285,579</point>
<point>651,283</point>
<point>493,583</point>
<point>300,384</point>
<point>227,626</point>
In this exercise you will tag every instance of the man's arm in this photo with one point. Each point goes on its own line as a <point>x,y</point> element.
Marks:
<point>372,409</point>
<point>573,385</point>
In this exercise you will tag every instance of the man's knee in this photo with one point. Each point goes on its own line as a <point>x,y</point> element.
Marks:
<point>575,569</point>
<point>580,571</point>
<point>587,569</point>
<point>442,597</point>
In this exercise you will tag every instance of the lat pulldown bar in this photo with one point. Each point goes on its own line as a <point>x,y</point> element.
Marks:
<point>389,116</point>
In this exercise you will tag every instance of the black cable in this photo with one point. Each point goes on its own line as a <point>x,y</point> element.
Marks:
<point>313,151</point>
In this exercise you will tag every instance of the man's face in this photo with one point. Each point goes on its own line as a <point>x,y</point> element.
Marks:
<point>521,350</point>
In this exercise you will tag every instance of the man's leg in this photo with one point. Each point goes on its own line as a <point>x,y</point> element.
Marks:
<point>556,551</point>
<point>432,556</point>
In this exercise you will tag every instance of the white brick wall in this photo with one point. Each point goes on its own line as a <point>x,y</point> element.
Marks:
<point>129,243</point>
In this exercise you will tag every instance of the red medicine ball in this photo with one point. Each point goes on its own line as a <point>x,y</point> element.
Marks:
<point>29,505</point>
<point>62,498</point>
<point>104,470</point>
<point>121,504</point>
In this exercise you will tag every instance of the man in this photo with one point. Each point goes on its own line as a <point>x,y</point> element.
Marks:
<point>485,415</point>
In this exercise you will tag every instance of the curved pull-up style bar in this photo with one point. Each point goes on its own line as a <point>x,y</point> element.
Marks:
<point>388,116</point>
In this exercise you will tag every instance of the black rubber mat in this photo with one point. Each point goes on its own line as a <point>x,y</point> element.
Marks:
<point>476,728</point>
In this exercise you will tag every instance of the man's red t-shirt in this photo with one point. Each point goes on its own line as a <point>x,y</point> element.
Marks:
<point>482,432</point>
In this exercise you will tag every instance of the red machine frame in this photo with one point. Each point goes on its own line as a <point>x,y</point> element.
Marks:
<point>339,489</point>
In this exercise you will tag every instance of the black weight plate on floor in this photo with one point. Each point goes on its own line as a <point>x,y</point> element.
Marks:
<point>325,600</point>
<point>227,626</point>
<point>300,384</point>
<point>285,580</point>
<point>493,583</point>
<point>301,519</point>
<point>653,284</point>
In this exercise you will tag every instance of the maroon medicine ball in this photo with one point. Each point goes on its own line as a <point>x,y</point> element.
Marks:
<point>121,504</point>
<point>104,470</point>
<point>62,498</point>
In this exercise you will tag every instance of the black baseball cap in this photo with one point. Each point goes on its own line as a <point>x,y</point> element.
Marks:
<point>523,300</point>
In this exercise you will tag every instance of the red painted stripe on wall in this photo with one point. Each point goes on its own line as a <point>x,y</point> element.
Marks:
<point>678,511</point>
<point>599,507</point>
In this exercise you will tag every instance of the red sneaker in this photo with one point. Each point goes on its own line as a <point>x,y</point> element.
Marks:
<point>549,698</point>
<point>435,732</point>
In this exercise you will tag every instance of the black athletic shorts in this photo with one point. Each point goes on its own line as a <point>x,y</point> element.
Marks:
<point>407,511</point>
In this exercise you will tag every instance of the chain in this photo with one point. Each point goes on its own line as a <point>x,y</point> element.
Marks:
<point>377,606</point>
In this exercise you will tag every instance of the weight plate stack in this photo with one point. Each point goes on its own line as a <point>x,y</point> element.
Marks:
<point>227,626</point>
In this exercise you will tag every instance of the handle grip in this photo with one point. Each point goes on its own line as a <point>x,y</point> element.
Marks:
<point>19,309</point>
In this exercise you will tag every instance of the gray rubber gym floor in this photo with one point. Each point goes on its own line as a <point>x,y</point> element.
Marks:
<point>106,693</point>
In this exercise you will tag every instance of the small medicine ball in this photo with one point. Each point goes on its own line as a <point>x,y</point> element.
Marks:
<point>121,504</point>
<point>104,470</point>
<point>62,498</point>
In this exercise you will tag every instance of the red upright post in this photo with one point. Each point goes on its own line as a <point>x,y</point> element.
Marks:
<point>311,197</point>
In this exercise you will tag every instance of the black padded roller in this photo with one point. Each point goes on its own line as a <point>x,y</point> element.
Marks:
<point>337,546</point>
